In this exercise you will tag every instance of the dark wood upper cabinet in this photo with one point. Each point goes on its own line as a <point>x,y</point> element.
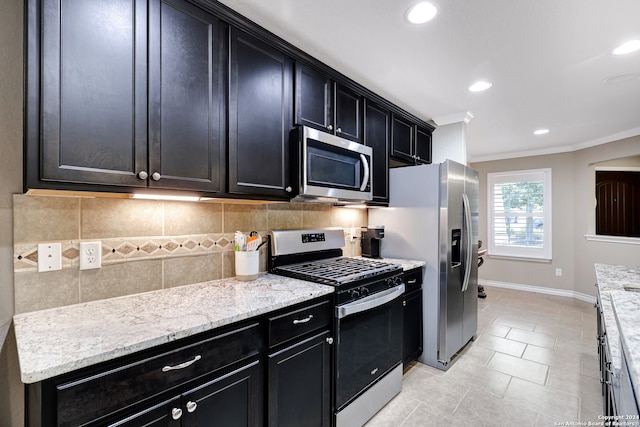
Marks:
<point>260,117</point>
<point>90,102</point>
<point>327,105</point>
<point>423,147</point>
<point>187,69</point>
<point>377,132</point>
<point>411,143</point>
<point>313,99</point>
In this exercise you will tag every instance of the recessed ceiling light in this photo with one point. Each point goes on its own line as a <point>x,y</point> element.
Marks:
<point>628,47</point>
<point>541,131</point>
<point>421,12</point>
<point>479,86</point>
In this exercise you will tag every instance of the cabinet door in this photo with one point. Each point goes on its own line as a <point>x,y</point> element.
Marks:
<point>186,97</point>
<point>423,145</point>
<point>402,139</point>
<point>412,339</point>
<point>348,114</point>
<point>165,414</point>
<point>313,99</point>
<point>232,400</point>
<point>93,91</point>
<point>376,135</point>
<point>300,384</point>
<point>260,118</point>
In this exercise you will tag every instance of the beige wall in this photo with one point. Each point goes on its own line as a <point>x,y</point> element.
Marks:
<point>528,272</point>
<point>11,393</point>
<point>589,252</point>
<point>573,218</point>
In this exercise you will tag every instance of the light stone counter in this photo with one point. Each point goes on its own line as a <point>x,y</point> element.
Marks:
<point>407,264</point>
<point>626,307</point>
<point>60,340</point>
<point>612,280</point>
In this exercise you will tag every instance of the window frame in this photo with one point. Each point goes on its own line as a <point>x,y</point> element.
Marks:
<point>531,253</point>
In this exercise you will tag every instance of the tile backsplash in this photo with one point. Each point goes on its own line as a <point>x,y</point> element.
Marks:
<point>146,244</point>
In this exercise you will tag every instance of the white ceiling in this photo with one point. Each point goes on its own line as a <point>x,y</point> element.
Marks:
<point>546,59</point>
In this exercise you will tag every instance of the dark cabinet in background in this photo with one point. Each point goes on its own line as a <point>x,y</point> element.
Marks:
<point>412,301</point>
<point>260,118</point>
<point>327,105</point>
<point>410,143</point>
<point>377,131</point>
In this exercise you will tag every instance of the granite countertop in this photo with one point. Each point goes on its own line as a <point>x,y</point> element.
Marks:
<point>625,304</point>
<point>612,280</point>
<point>60,340</point>
<point>407,264</point>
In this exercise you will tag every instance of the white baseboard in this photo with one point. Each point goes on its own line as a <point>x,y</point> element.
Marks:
<point>538,289</point>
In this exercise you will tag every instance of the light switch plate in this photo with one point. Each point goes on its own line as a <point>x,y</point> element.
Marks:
<point>49,257</point>
<point>90,255</point>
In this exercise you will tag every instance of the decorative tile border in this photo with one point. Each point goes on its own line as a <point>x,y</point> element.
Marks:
<point>25,255</point>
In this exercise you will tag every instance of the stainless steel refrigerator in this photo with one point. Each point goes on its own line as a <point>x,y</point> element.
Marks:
<point>433,216</point>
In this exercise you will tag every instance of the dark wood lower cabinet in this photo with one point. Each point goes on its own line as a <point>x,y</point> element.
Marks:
<point>300,384</point>
<point>224,377</point>
<point>412,305</point>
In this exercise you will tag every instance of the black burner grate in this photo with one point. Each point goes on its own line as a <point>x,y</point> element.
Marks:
<point>338,270</point>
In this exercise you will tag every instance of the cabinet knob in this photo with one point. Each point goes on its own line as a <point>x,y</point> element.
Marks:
<point>330,127</point>
<point>156,176</point>
<point>191,406</point>
<point>329,340</point>
<point>404,303</point>
<point>143,175</point>
<point>288,189</point>
<point>339,130</point>
<point>176,413</point>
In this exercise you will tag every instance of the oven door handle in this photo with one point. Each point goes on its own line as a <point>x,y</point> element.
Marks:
<point>369,302</point>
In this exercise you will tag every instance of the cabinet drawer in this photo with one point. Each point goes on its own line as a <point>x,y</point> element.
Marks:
<point>413,278</point>
<point>295,323</point>
<point>100,394</point>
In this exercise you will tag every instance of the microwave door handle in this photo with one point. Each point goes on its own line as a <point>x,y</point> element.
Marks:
<point>365,165</point>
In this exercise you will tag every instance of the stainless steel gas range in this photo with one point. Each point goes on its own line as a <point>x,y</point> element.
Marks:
<point>368,317</point>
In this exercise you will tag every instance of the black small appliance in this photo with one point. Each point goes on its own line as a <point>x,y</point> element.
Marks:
<point>371,237</point>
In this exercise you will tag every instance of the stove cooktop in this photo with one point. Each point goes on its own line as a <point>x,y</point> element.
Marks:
<point>338,271</point>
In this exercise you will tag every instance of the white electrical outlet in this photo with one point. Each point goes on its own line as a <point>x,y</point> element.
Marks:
<point>49,257</point>
<point>90,255</point>
<point>558,272</point>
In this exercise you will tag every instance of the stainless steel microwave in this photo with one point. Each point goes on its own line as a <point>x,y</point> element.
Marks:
<point>330,167</point>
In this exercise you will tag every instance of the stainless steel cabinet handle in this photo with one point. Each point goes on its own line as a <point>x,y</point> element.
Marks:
<point>191,406</point>
<point>404,303</point>
<point>411,282</point>
<point>330,127</point>
<point>156,176</point>
<point>305,320</point>
<point>182,365</point>
<point>176,413</point>
<point>143,175</point>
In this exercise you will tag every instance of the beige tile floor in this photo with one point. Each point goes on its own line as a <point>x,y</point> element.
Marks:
<point>534,363</point>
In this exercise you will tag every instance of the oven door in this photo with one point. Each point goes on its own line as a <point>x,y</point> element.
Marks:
<point>334,167</point>
<point>369,342</point>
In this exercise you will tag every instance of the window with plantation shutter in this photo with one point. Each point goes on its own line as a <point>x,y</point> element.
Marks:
<point>519,214</point>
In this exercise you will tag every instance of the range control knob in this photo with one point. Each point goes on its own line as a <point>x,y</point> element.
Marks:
<point>355,293</point>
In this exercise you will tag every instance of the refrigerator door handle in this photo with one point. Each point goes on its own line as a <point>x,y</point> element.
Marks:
<point>469,248</point>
